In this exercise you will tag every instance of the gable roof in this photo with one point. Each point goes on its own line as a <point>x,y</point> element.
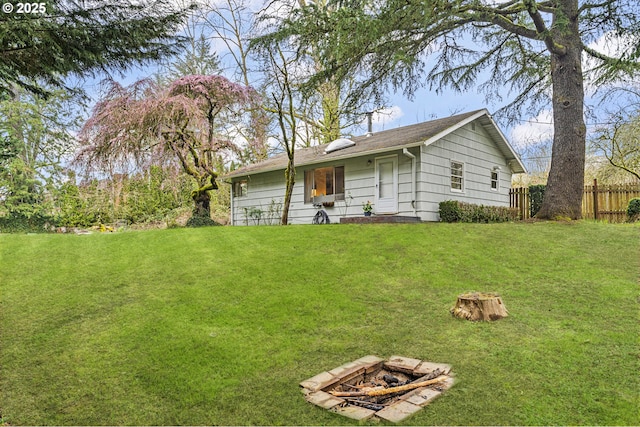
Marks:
<point>387,140</point>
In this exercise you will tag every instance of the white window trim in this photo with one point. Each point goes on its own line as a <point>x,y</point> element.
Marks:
<point>497,172</point>
<point>238,185</point>
<point>326,198</point>
<point>464,179</point>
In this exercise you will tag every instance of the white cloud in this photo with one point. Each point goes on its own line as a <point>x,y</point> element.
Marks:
<point>611,45</point>
<point>534,131</point>
<point>614,45</point>
<point>274,144</point>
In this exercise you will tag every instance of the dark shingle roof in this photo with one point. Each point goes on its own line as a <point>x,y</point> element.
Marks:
<point>386,140</point>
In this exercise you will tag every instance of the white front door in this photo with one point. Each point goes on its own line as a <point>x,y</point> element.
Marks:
<point>386,191</point>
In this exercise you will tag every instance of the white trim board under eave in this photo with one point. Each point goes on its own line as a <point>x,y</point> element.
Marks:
<point>457,126</point>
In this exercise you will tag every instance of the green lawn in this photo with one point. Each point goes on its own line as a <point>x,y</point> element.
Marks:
<point>219,325</point>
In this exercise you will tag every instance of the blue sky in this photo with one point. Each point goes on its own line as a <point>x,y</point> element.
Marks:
<point>425,105</point>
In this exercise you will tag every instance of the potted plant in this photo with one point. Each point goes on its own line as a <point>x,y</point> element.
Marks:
<point>367,208</point>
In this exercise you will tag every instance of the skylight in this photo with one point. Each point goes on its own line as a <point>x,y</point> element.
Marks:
<point>339,144</point>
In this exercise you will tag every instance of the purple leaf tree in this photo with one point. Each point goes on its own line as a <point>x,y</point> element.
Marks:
<point>196,122</point>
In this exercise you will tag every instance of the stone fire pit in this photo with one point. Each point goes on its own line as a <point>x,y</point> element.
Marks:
<point>371,387</point>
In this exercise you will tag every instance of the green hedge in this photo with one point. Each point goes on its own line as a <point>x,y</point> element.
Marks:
<point>536,194</point>
<point>454,211</point>
<point>22,224</point>
<point>633,209</point>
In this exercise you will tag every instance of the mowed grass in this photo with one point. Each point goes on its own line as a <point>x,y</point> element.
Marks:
<point>219,325</point>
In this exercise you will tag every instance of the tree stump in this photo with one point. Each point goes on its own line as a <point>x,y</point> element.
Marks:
<point>479,306</point>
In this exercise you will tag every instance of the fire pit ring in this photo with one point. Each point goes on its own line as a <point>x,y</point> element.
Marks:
<point>372,387</point>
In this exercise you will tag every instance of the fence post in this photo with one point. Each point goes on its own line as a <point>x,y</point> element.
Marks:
<point>596,210</point>
<point>523,203</point>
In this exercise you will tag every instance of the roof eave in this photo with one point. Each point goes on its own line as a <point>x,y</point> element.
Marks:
<point>320,160</point>
<point>512,158</point>
<point>514,161</point>
<point>455,127</point>
<point>508,152</point>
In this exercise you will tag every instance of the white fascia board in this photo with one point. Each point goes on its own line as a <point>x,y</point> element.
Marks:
<point>455,127</point>
<point>505,141</point>
<point>483,112</point>
<point>320,160</point>
<point>363,153</point>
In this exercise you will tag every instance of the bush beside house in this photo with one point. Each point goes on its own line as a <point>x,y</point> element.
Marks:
<point>633,210</point>
<point>455,211</point>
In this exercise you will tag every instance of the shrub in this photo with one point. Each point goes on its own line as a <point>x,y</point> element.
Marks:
<point>454,211</point>
<point>200,221</point>
<point>633,210</point>
<point>16,223</point>
<point>74,210</point>
<point>450,211</point>
<point>536,194</point>
<point>253,213</point>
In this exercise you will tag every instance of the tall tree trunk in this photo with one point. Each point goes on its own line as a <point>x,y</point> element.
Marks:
<point>202,200</point>
<point>201,197</point>
<point>290,179</point>
<point>565,186</point>
<point>330,93</point>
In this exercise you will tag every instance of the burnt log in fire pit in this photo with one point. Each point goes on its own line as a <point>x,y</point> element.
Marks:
<point>371,387</point>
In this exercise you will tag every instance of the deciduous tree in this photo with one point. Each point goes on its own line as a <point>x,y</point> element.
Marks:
<point>193,122</point>
<point>38,131</point>
<point>284,104</point>
<point>335,103</point>
<point>35,140</point>
<point>619,139</point>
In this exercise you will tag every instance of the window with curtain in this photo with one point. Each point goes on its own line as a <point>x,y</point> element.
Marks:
<point>324,184</point>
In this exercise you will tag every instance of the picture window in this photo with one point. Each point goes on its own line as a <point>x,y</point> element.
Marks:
<point>324,184</point>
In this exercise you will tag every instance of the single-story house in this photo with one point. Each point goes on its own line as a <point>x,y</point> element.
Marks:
<point>406,171</point>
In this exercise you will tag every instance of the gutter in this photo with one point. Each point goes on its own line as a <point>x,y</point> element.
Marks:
<point>231,203</point>
<point>407,153</point>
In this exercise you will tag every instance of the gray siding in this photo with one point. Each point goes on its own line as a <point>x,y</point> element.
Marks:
<point>476,150</point>
<point>263,188</point>
<point>473,147</point>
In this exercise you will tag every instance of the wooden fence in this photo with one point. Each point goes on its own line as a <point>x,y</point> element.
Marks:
<point>519,199</point>
<point>600,202</point>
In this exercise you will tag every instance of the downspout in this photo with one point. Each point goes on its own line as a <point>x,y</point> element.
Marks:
<point>407,153</point>
<point>231,220</point>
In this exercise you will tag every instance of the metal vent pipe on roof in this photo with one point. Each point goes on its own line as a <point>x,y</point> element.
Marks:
<point>369,123</point>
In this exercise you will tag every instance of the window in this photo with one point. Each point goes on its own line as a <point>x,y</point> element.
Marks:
<point>495,180</point>
<point>457,176</point>
<point>240,188</point>
<point>324,184</point>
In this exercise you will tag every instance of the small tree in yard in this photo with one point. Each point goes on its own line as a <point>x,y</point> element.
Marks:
<point>619,139</point>
<point>194,122</point>
<point>285,105</point>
